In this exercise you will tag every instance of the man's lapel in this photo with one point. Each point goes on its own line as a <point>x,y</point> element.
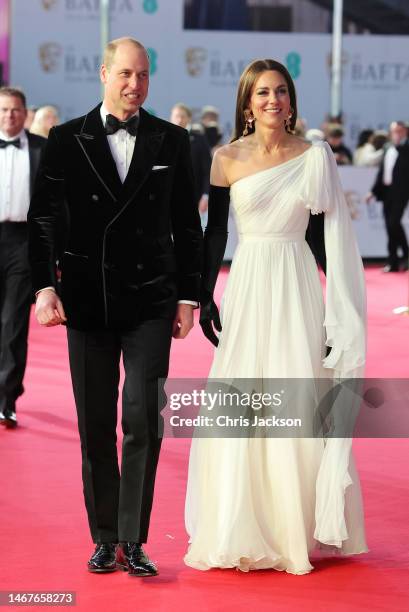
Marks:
<point>94,146</point>
<point>148,142</point>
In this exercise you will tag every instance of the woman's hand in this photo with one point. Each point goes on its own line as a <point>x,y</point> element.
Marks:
<point>209,317</point>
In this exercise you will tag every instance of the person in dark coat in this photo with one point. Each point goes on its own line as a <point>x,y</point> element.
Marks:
<point>201,157</point>
<point>20,154</point>
<point>392,188</point>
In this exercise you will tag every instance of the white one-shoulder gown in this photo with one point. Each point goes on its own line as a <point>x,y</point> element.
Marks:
<point>268,502</point>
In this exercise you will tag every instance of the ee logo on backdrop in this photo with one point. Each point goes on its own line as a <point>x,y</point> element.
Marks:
<point>293,62</point>
<point>150,6</point>
<point>153,60</point>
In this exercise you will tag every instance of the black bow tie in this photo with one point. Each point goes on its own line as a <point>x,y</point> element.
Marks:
<point>5,143</point>
<point>113,124</point>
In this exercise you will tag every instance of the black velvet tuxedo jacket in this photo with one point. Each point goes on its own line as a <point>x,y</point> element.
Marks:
<point>399,189</point>
<point>131,250</point>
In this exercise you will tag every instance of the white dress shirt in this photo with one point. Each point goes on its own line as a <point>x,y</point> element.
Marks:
<point>14,179</point>
<point>391,156</point>
<point>122,145</point>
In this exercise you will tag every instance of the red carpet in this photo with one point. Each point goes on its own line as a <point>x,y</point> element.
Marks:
<point>43,527</point>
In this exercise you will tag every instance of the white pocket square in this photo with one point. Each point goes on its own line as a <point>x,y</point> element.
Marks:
<point>159,167</point>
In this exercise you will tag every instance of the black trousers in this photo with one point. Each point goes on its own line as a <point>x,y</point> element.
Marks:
<point>393,210</point>
<point>119,503</point>
<point>15,302</point>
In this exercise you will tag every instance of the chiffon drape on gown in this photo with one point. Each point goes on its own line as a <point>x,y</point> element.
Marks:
<point>268,502</point>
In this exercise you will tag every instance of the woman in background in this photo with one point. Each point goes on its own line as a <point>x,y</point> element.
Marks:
<point>366,154</point>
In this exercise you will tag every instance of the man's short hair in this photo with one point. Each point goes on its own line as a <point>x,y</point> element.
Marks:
<point>13,92</point>
<point>112,46</point>
<point>210,110</point>
<point>399,123</point>
<point>335,131</point>
<point>184,108</point>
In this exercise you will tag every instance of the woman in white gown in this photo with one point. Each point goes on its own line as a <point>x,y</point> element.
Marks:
<point>268,502</point>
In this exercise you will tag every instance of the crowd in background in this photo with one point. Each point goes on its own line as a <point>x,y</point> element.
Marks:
<point>369,147</point>
<point>369,150</point>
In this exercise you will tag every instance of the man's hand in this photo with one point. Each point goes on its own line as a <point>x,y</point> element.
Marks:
<point>183,321</point>
<point>49,309</point>
<point>369,196</point>
<point>203,203</point>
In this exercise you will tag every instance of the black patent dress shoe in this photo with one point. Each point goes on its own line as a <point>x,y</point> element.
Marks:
<point>9,420</point>
<point>104,558</point>
<point>131,558</point>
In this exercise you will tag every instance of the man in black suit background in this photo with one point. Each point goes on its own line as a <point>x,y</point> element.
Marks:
<point>201,157</point>
<point>392,188</point>
<point>129,280</point>
<point>19,158</point>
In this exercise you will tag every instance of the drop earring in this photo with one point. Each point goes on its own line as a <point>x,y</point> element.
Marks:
<point>287,123</point>
<point>248,123</point>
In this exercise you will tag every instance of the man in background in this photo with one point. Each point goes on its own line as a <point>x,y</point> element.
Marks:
<point>45,118</point>
<point>19,160</point>
<point>335,136</point>
<point>392,188</point>
<point>210,122</point>
<point>201,159</point>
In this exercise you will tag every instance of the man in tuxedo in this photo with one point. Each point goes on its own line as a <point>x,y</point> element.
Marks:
<point>19,158</point>
<point>392,188</point>
<point>210,122</point>
<point>201,158</point>
<point>130,278</point>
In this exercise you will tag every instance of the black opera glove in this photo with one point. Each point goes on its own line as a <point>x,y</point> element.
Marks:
<point>209,318</point>
<point>215,239</point>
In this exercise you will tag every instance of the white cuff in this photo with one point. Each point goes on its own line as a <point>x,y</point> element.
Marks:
<point>190,302</point>
<point>43,289</point>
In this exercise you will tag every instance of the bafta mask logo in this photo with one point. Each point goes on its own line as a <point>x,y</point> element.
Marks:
<point>195,60</point>
<point>50,54</point>
<point>48,4</point>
